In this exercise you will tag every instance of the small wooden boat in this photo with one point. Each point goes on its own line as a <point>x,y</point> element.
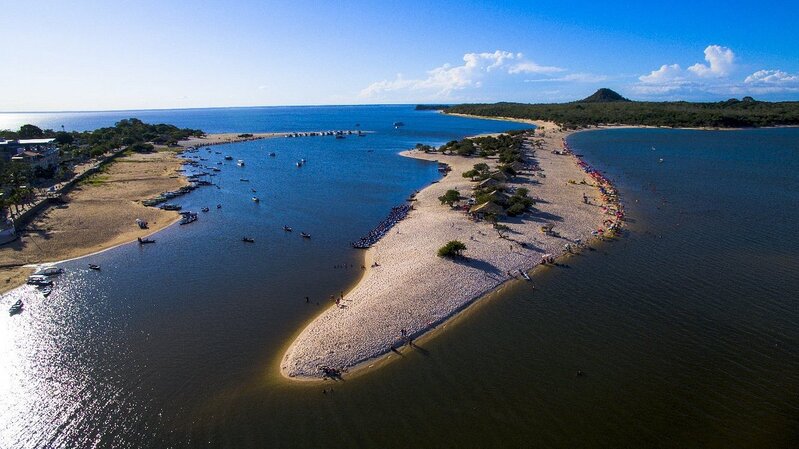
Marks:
<point>190,217</point>
<point>305,235</point>
<point>244,180</point>
<point>205,209</point>
<point>94,267</point>
<point>524,275</point>
<point>46,291</point>
<point>228,158</point>
<point>248,240</point>
<point>272,154</point>
<point>256,199</point>
<point>219,206</point>
<point>39,280</point>
<point>145,241</point>
<point>287,229</point>
<point>16,307</point>
<point>49,271</point>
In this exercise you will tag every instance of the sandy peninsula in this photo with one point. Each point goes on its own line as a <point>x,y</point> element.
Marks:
<point>411,290</point>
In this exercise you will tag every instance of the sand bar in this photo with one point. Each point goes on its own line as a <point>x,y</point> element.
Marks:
<point>414,290</point>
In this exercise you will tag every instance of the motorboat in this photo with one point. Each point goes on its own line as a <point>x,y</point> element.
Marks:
<point>244,180</point>
<point>94,267</point>
<point>205,209</point>
<point>305,235</point>
<point>46,291</point>
<point>240,163</point>
<point>16,307</point>
<point>228,158</point>
<point>145,241</point>
<point>299,164</point>
<point>287,229</point>
<point>524,275</point>
<point>49,271</point>
<point>256,199</point>
<point>248,240</point>
<point>170,206</point>
<point>272,154</point>
<point>39,280</point>
<point>398,124</point>
<point>188,217</point>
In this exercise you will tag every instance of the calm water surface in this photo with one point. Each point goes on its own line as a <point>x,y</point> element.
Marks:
<point>686,328</point>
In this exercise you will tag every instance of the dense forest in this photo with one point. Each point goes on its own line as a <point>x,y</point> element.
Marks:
<point>607,107</point>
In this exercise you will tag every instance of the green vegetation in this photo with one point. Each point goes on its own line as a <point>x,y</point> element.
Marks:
<point>453,248</point>
<point>608,107</point>
<point>507,146</point>
<point>125,133</point>
<point>431,107</point>
<point>450,197</point>
<point>425,148</point>
<point>478,173</point>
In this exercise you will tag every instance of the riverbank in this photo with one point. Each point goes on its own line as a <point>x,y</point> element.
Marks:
<point>98,214</point>
<point>412,291</point>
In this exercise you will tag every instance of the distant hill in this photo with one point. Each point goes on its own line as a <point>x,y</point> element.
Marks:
<point>603,95</point>
<point>607,107</point>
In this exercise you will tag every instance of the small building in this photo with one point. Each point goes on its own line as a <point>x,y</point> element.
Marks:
<point>487,208</point>
<point>489,183</point>
<point>38,153</point>
<point>518,166</point>
<point>499,176</point>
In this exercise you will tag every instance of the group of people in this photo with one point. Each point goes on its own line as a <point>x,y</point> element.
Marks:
<point>608,194</point>
<point>397,213</point>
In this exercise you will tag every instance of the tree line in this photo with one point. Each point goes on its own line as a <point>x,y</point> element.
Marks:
<point>732,113</point>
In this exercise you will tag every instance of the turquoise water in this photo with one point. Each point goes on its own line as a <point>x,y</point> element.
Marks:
<point>685,328</point>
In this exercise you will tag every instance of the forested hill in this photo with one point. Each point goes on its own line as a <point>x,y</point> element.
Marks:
<point>608,107</point>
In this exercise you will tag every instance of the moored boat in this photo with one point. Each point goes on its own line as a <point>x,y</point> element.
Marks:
<point>94,267</point>
<point>287,229</point>
<point>16,307</point>
<point>248,240</point>
<point>305,235</point>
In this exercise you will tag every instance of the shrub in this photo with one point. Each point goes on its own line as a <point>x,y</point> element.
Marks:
<point>453,248</point>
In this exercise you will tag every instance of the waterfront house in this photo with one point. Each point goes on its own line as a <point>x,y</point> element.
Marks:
<point>38,153</point>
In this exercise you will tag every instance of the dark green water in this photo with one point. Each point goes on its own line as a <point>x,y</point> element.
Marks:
<point>686,328</point>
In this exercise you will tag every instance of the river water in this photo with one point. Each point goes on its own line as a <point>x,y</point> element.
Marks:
<point>685,329</point>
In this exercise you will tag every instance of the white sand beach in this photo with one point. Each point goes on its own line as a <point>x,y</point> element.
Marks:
<point>413,290</point>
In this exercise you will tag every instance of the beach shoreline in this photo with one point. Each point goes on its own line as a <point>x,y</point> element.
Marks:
<point>329,339</point>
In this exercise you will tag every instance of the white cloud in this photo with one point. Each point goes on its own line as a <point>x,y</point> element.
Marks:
<point>665,74</point>
<point>771,77</point>
<point>572,77</point>
<point>721,61</point>
<point>442,81</point>
<point>531,67</point>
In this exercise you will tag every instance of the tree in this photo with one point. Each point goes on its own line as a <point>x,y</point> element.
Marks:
<point>500,228</point>
<point>30,132</point>
<point>450,197</point>
<point>453,248</point>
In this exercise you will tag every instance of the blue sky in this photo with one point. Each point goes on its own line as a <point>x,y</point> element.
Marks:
<point>100,55</point>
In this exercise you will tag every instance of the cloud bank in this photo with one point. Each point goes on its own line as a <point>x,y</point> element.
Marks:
<point>717,76</point>
<point>476,68</point>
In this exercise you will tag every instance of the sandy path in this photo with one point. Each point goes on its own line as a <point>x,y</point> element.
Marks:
<point>415,290</point>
